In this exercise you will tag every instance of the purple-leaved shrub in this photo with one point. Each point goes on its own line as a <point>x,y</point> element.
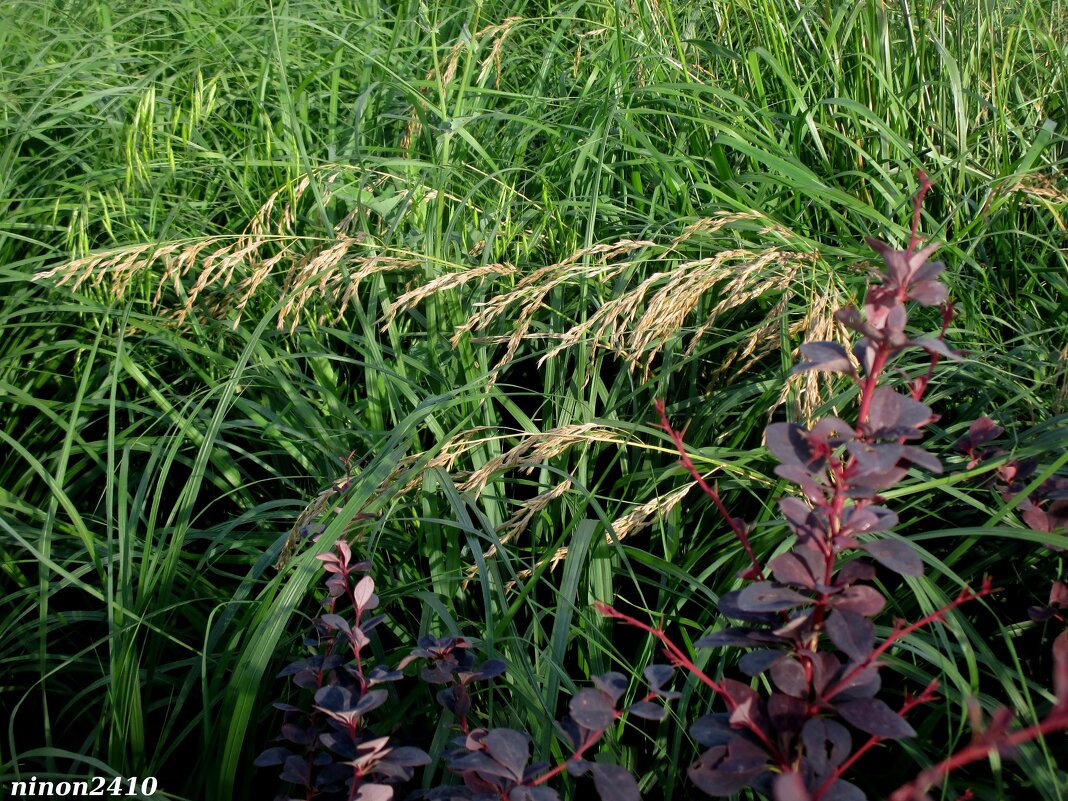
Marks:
<point>806,617</point>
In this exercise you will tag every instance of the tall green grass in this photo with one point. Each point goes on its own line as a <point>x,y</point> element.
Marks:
<point>161,435</point>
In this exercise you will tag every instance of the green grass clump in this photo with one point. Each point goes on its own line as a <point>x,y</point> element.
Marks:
<point>474,241</point>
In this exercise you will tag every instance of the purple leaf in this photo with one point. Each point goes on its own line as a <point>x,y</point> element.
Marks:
<point>372,699</point>
<point>272,756</point>
<point>297,734</point>
<point>936,345</point>
<point>928,293</point>
<point>829,356</point>
<point>789,676</point>
<point>713,729</point>
<point>363,594</point>
<point>827,744</point>
<point>756,662</point>
<point>854,634</point>
<point>729,606</point>
<point>456,700</point>
<point>897,555</point>
<point>979,433</point>
<point>612,684</point>
<point>614,783</point>
<point>727,769</point>
<point>809,482</point>
<point>789,443</point>
<point>875,458</point>
<point>336,622</point>
<point>842,790</point>
<point>373,792</point>
<point>510,749</point>
<point>894,416</point>
<point>592,709</point>
<point>787,713</point>
<point>866,519</point>
<point>790,787</point>
<point>804,522</point>
<point>865,684</point>
<point>764,596</point>
<point>524,793</point>
<point>295,770</point>
<point>738,637</point>
<point>649,710</point>
<point>334,698</point>
<point>874,717</point>
<point>1060,667</point>
<point>826,668</point>
<point>658,675</point>
<point>409,756</point>
<point>921,458</point>
<point>859,598</point>
<point>857,570</point>
<point>795,568</point>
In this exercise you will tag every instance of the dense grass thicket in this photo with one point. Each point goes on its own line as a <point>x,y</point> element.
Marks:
<point>472,243</point>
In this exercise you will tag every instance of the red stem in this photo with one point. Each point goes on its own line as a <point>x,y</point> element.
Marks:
<point>979,749</point>
<point>680,659</point>
<point>898,633</point>
<point>590,741</point>
<point>910,703</point>
<point>917,204</point>
<point>711,492</point>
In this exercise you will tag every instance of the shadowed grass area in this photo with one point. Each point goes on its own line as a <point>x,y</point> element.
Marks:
<point>474,241</point>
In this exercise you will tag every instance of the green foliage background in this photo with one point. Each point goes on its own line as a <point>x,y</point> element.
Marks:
<point>210,216</point>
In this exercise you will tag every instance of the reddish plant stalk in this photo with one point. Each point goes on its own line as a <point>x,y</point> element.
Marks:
<point>965,596</point>
<point>711,492</point>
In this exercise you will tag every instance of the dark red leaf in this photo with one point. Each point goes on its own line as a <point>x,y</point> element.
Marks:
<point>787,713</point>
<point>764,596</point>
<point>857,570</point>
<point>756,662</point>
<point>713,729</point>
<point>921,458</point>
<point>854,634</point>
<point>592,709</point>
<point>868,519</point>
<point>649,710</point>
<point>724,770</point>
<point>790,787</point>
<point>789,676</point>
<point>614,783</point>
<point>842,790</point>
<point>525,793</point>
<point>738,637</point>
<point>1060,667</point>
<point>789,443</point>
<point>893,415</point>
<point>658,675</point>
<point>897,555</point>
<point>612,684</point>
<point>829,356</point>
<point>864,684</point>
<point>827,744</point>
<point>510,749</point>
<point>272,756</point>
<point>874,717</point>
<point>810,483</point>
<point>790,568</point>
<point>859,598</point>
<point>980,432</point>
<point>803,521</point>
<point>929,293</point>
<point>875,458</point>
